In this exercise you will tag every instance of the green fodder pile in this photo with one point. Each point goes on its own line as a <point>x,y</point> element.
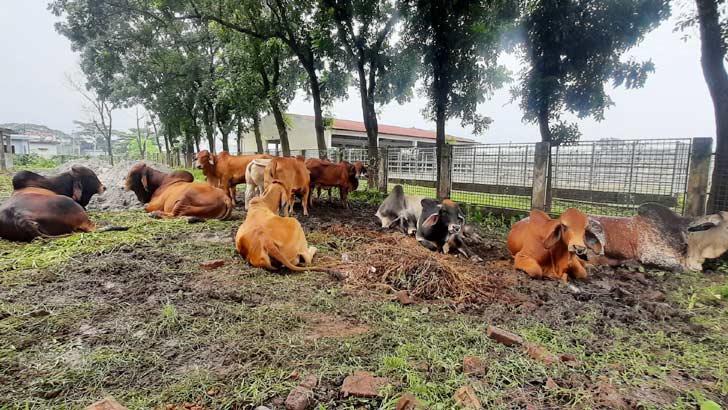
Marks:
<point>402,263</point>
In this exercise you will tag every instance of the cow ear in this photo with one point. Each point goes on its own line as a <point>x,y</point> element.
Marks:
<point>702,227</point>
<point>145,181</point>
<point>594,237</point>
<point>554,235</point>
<point>431,220</point>
<point>212,159</point>
<point>77,189</point>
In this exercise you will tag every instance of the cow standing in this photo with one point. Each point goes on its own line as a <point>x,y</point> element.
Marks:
<point>223,170</point>
<point>325,174</point>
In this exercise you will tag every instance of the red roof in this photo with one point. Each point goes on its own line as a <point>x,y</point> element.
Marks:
<point>348,125</point>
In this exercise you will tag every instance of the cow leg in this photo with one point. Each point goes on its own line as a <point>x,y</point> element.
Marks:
<point>428,244</point>
<point>161,215</point>
<point>304,202</point>
<point>343,193</point>
<point>308,255</point>
<point>328,197</point>
<point>528,265</point>
<point>249,194</point>
<point>576,266</point>
<point>233,193</point>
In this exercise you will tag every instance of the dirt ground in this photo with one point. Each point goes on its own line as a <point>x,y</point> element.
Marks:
<point>134,315</point>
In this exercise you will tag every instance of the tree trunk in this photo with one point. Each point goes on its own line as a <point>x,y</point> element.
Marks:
<point>108,141</point>
<point>712,60</point>
<point>239,135</point>
<point>210,135</point>
<point>156,134</point>
<point>371,125</point>
<point>224,135</point>
<point>546,136</point>
<point>281,125</point>
<point>256,132</point>
<point>317,113</point>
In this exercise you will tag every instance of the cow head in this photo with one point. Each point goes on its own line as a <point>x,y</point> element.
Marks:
<point>709,222</point>
<point>204,159</point>
<point>448,214</point>
<point>275,197</point>
<point>85,184</point>
<point>707,238</point>
<point>138,180</point>
<point>360,169</point>
<point>573,230</point>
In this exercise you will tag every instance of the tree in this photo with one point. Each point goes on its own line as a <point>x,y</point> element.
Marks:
<point>573,48</point>
<point>384,71</point>
<point>302,27</point>
<point>459,44</point>
<point>101,118</point>
<point>713,46</point>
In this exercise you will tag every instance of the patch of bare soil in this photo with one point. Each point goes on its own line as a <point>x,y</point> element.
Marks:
<point>329,326</point>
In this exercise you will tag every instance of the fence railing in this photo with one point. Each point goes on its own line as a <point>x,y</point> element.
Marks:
<point>610,177</point>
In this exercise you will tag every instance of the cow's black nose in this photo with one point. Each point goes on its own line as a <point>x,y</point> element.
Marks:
<point>580,250</point>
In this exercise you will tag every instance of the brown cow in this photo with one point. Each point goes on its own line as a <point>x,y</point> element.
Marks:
<point>325,174</point>
<point>267,240</point>
<point>552,248</point>
<point>39,212</point>
<point>223,170</point>
<point>175,194</point>
<point>294,175</point>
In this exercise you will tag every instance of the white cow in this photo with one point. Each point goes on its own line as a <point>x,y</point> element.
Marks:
<point>402,209</point>
<point>254,175</point>
<point>707,238</point>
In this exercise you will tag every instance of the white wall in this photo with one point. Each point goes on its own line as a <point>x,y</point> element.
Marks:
<point>301,133</point>
<point>43,149</point>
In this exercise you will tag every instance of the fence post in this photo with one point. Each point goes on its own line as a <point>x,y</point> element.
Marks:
<point>3,164</point>
<point>697,189</point>
<point>444,184</point>
<point>383,169</point>
<point>540,170</point>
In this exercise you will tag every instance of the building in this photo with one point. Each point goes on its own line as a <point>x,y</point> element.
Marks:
<point>341,134</point>
<point>44,146</point>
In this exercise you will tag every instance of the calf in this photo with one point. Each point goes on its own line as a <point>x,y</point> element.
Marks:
<point>267,240</point>
<point>707,238</point>
<point>400,209</point>
<point>80,183</point>
<point>293,175</point>
<point>255,179</point>
<point>325,174</point>
<point>552,248</point>
<point>439,225</point>
<point>223,170</point>
<point>40,212</point>
<point>175,194</point>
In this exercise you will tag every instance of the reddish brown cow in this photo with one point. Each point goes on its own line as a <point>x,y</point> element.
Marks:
<point>223,170</point>
<point>325,174</point>
<point>174,194</point>
<point>292,173</point>
<point>40,212</point>
<point>552,248</point>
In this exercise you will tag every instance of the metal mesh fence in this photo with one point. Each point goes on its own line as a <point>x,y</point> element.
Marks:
<point>413,168</point>
<point>616,176</point>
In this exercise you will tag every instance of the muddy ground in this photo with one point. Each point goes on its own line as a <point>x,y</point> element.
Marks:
<point>136,316</point>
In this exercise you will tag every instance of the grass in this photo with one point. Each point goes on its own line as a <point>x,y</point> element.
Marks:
<point>131,314</point>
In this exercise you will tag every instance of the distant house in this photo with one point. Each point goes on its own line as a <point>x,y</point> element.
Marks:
<point>341,134</point>
<point>43,146</point>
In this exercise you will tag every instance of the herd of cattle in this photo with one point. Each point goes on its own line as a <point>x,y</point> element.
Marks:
<point>542,246</point>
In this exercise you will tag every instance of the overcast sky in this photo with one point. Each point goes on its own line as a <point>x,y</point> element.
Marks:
<point>675,103</point>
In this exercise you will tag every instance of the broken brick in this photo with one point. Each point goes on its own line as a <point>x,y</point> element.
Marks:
<point>539,353</point>
<point>474,366</point>
<point>408,402</point>
<point>213,264</point>
<point>299,398</point>
<point>107,403</point>
<point>503,336</point>
<point>465,397</point>
<point>362,384</point>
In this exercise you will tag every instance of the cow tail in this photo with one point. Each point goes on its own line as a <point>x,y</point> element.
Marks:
<point>273,250</point>
<point>228,208</point>
<point>270,172</point>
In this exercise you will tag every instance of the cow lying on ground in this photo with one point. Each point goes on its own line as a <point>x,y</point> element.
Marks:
<point>659,237</point>
<point>223,170</point>
<point>293,174</point>
<point>255,179</point>
<point>267,240</point>
<point>439,226</point>
<point>80,183</point>
<point>325,174</point>
<point>39,212</point>
<point>545,247</point>
<point>175,194</point>
<point>400,210</point>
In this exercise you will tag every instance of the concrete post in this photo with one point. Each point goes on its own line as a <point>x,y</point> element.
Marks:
<point>3,164</point>
<point>540,170</point>
<point>383,168</point>
<point>303,153</point>
<point>444,184</point>
<point>699,174</point>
